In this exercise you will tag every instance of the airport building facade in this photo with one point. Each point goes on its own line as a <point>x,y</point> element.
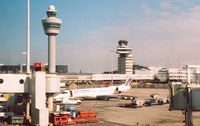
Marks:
<point>153,74</point>
<point>21,68</point>
<point>180,74</point>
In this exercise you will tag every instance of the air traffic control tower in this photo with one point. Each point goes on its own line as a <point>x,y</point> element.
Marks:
<point>125,59</point>
<point>51,26</point>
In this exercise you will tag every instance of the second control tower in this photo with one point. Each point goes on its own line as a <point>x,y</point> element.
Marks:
<point>51,26</point>
<point>125,59</point>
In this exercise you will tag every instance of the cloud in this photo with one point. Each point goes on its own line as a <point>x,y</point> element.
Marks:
<point>92,57</point>
<point>175,36</point>
<point>154,41</point>
<point>186,2</point>
<point>166,5</point>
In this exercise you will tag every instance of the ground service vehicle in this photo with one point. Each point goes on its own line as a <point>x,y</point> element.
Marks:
<point>68,100</point>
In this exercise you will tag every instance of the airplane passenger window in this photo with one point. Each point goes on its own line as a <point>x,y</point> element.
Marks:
<point>21,81</point>
<point>1,81</point>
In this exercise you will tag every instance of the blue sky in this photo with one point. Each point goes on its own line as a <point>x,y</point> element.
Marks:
<point>161,32</point>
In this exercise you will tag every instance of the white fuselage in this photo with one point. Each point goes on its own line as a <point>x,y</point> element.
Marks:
<point>94,92</point>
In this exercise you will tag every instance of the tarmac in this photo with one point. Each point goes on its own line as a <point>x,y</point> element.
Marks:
<point>110,114</point>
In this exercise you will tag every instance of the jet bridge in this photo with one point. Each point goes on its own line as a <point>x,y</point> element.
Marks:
<point>185,97</point>
<point>38,86</point>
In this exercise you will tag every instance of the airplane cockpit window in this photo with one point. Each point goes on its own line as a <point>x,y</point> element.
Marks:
<point>64,92</point>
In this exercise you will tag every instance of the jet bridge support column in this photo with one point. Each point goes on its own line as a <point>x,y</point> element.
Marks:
<point>28,103</point>
<point>52,87</point>
<point>50,102</point>
<point>39,112</point>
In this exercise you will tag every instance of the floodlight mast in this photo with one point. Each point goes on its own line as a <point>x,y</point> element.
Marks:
<point>28,40</point>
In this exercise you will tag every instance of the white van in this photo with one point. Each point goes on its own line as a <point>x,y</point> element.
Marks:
<point>71,101</point>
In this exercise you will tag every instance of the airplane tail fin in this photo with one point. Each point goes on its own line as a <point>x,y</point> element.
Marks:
<point>128,82</point>
<point>126,86</point>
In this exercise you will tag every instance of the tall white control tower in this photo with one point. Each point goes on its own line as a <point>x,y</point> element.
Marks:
<point>51,26</point>
<point>125,59</point>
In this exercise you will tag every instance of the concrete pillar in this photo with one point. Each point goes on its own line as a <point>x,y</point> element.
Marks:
<point>50,103</point>
<point>39,112</point>
<point>52,53</point>
<point>28,109</point>
<point>188,74</point>
<point>21,68</point>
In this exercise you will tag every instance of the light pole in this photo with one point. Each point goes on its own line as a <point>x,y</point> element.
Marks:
<point>28,40</point>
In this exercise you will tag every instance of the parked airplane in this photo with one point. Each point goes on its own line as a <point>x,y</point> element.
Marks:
<point>95,92</point>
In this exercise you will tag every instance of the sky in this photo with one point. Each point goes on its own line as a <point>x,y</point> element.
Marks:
<point>160,32</point>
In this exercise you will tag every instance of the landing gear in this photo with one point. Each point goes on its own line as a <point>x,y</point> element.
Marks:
<point>106,98</point>
<point>103,98</point>
<point>78,103</point>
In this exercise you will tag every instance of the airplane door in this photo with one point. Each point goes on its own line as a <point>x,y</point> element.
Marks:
<point>71,94</point>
